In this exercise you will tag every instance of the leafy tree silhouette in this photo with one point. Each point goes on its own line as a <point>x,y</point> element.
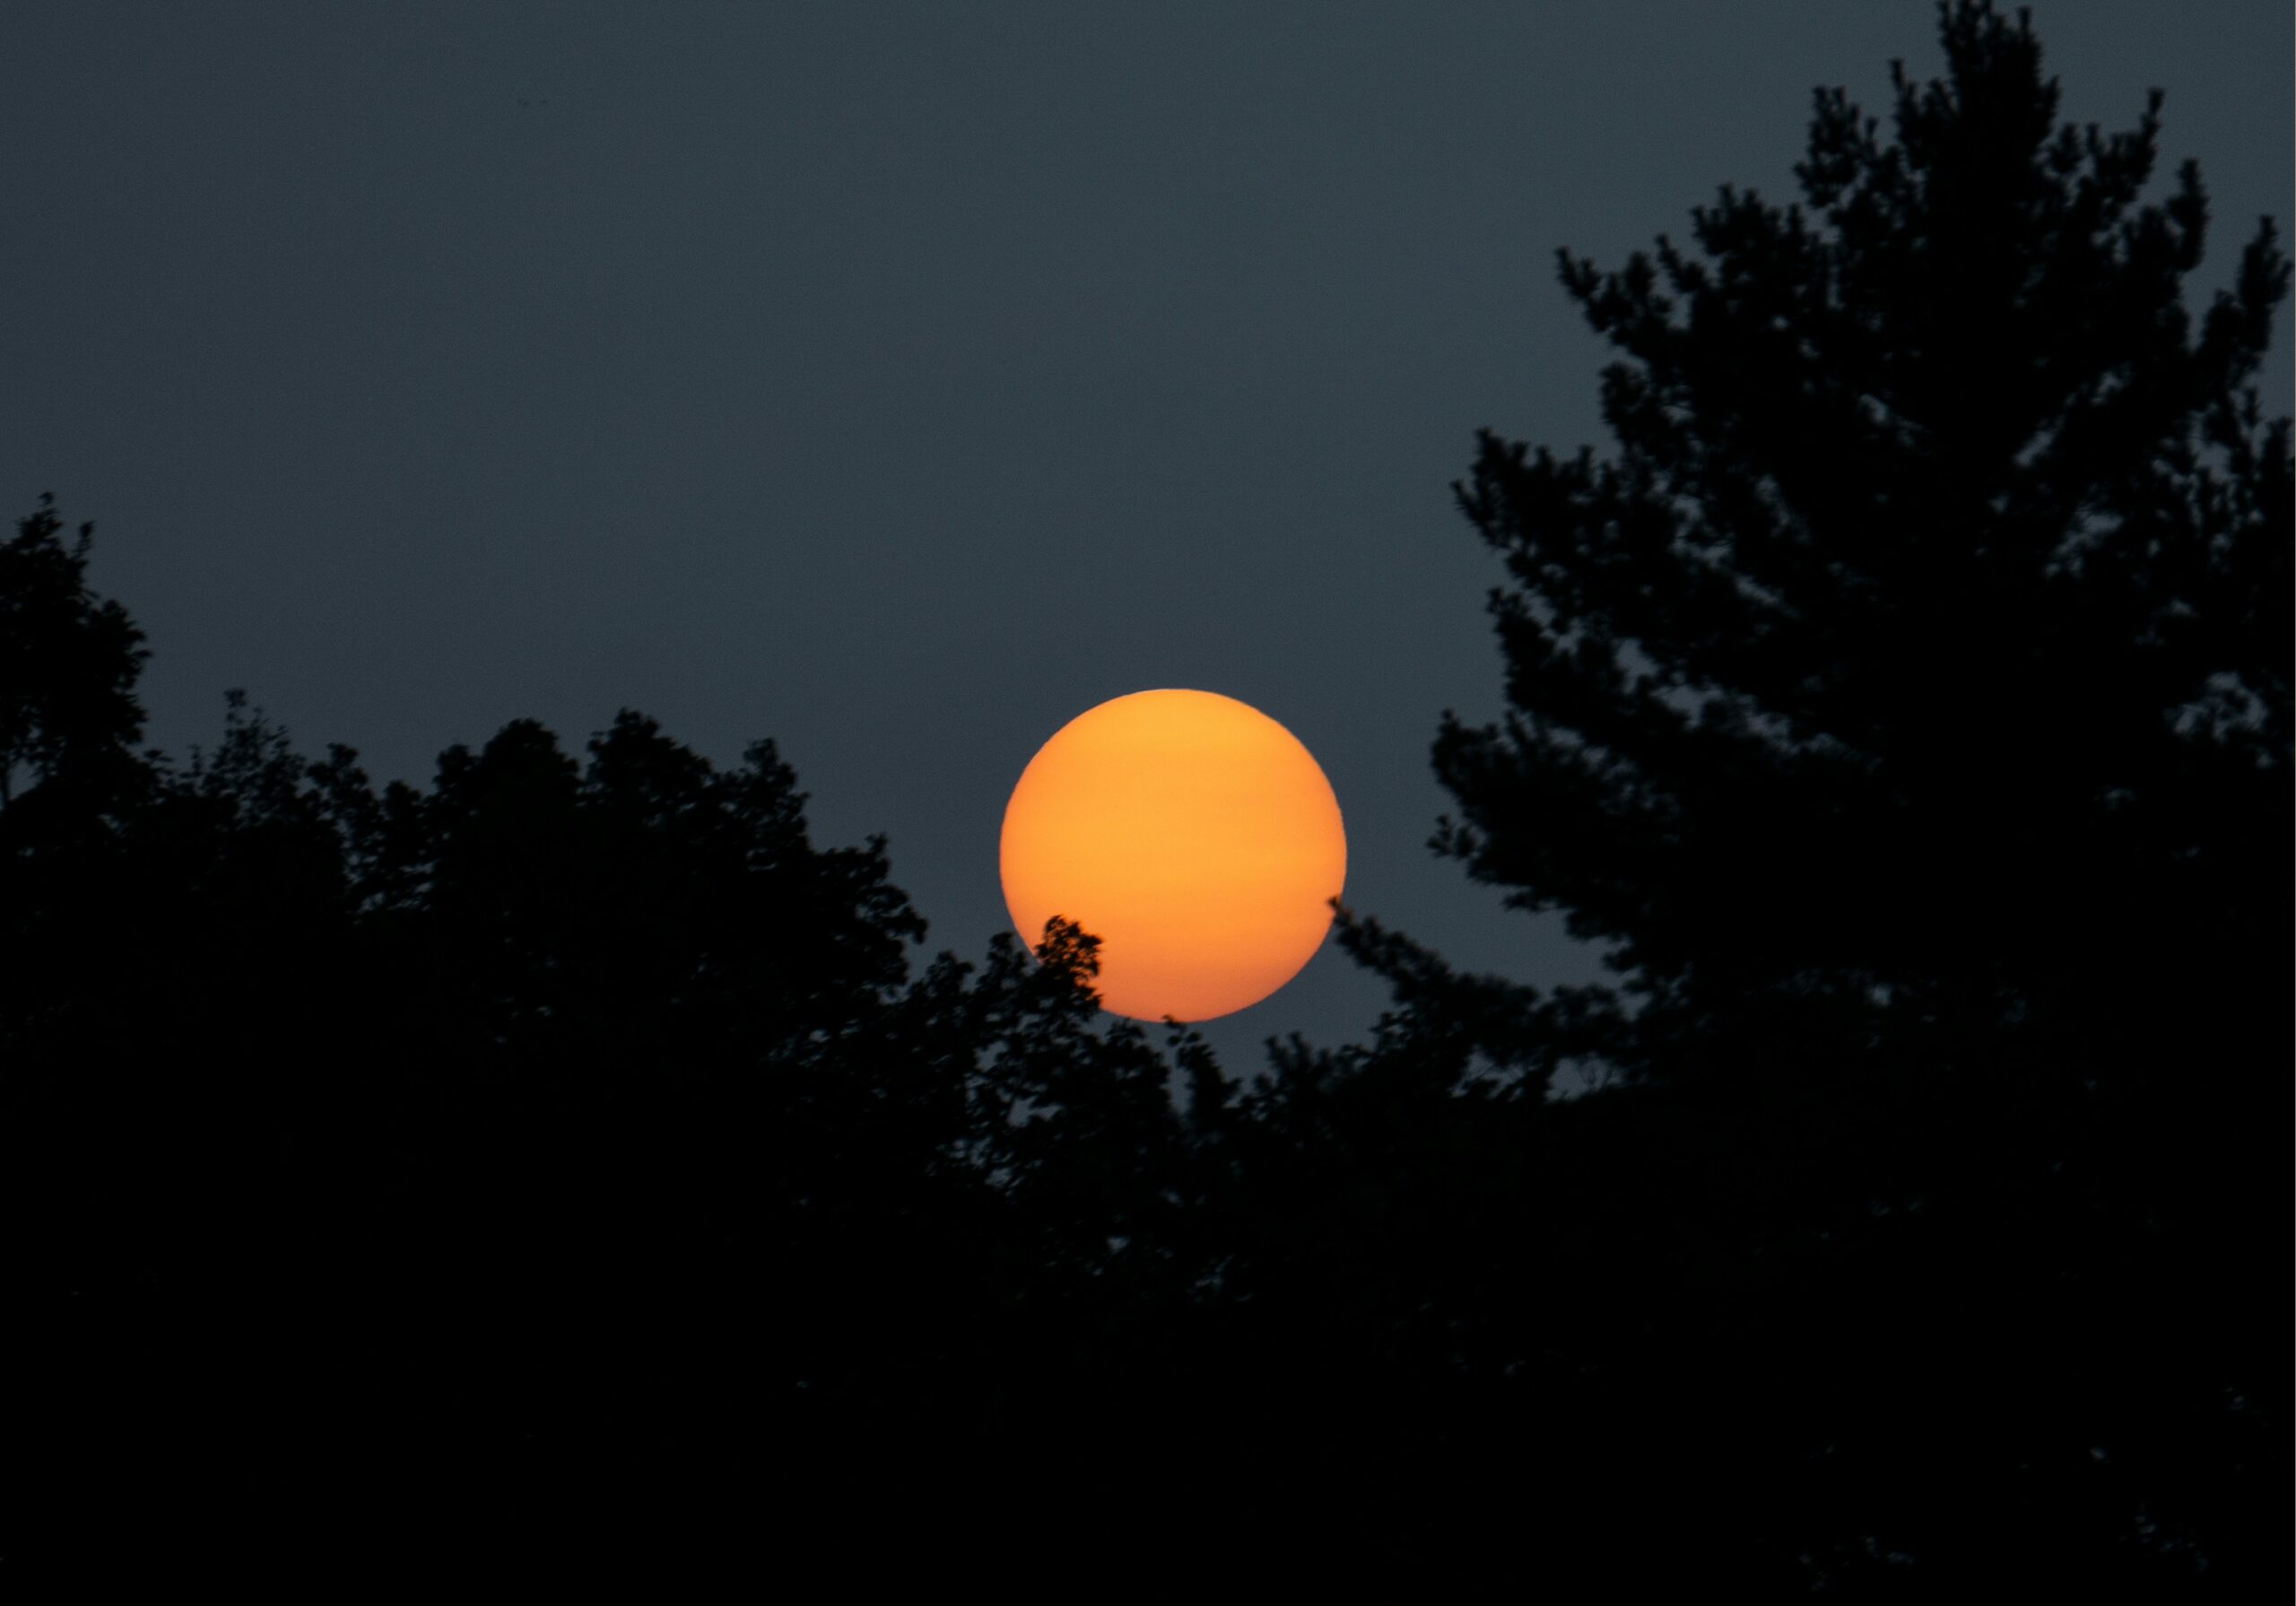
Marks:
<point>1905,703</point>
<point>565,1154</point>
<point>561,1137</point>
<point>68,665</point>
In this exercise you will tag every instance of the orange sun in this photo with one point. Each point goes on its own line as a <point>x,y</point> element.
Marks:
<point>1189,832</point>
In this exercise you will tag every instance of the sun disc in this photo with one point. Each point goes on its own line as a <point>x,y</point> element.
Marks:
<point>1193,835</point>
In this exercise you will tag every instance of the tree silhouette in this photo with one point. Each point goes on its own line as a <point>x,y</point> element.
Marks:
<point>1938,553</point>
<point>561,1137</point>
<point>68,663</point>
<point>1905,703</point>
<point>564,1155</point>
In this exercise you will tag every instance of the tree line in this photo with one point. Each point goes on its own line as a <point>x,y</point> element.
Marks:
<point>572,1155</point>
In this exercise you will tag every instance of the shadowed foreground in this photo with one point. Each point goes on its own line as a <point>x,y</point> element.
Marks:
<point>570,1163</point>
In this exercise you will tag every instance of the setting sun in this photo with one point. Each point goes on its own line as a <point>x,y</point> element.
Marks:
<point>1193,835</point>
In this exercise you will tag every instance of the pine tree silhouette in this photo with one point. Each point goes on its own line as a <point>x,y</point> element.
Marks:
<point>1905,703</point>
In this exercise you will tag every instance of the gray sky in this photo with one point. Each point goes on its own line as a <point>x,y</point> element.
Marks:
<point>897,381</point>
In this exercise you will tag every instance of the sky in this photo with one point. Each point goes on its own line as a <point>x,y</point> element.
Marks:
<point>898,381</point>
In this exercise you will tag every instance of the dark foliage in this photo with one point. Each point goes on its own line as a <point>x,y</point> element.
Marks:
<point>1906,704</point>
<point>561,1156</point>
<point>565,1161</point>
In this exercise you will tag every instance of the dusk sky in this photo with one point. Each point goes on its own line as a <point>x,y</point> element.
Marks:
<point>899,381</point>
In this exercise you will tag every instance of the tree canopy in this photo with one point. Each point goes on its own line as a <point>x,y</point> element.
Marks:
<point>1905,703</point>
<point>570,1154</point>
